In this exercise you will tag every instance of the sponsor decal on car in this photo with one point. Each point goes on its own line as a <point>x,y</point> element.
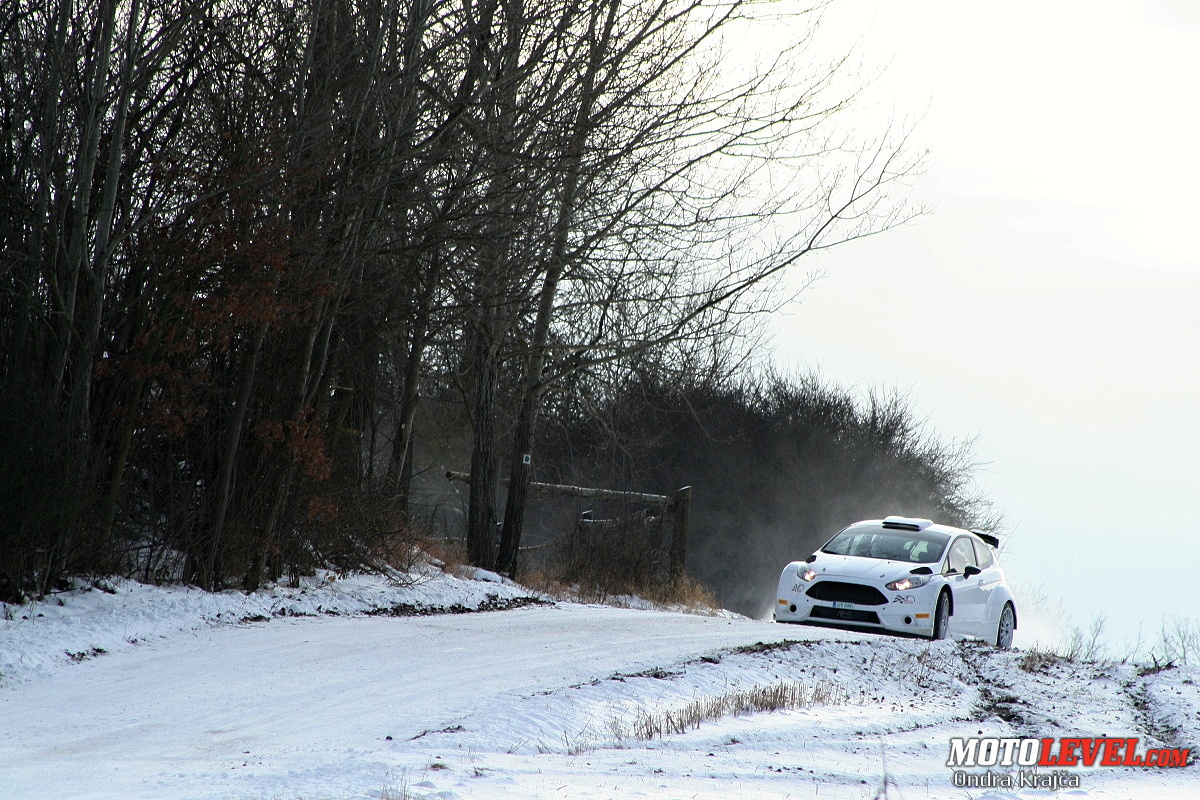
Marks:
<point>1028,755</point>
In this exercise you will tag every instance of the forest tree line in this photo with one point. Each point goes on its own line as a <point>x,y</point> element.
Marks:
<point>777,465</point>
<point>241,240</point>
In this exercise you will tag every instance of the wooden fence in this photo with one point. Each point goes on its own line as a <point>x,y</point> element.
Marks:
<point>678,506</point>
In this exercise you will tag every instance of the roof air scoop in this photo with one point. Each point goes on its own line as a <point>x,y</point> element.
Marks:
<point>906,523</point>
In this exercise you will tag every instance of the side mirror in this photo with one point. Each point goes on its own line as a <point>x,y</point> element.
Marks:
<point>971,570</point>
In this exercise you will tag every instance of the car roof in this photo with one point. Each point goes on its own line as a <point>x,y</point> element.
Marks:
<point>899,523</point>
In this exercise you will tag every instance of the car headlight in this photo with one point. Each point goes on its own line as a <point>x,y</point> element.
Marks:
<point>909,582</point>
<point>808,574</point>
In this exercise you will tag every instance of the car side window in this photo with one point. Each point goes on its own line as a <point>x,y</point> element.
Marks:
<point>962,555</point>
<point>984,554</point>
<point>917,550</point>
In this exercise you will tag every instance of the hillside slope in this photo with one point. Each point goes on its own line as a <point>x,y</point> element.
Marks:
<point>166,694</point>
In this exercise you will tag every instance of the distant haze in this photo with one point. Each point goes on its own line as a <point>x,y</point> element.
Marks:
<point>1048,304</point>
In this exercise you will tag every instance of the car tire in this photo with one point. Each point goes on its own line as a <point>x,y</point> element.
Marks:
<point>1005,627</point>
<point>941,617</point>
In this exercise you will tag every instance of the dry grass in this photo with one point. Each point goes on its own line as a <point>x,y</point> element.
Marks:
<point>539,580</point>
<point>682,591</point>
<point>685,592</point>
<point>773,697</point>
<point>1038,659</point>
<point>579,578</point>
<point>396,787</point>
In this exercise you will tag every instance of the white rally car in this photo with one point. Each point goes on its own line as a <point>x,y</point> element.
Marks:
<point>905,576</point>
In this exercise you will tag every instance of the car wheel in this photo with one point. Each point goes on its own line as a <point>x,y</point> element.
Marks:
<point>941,617</point>
<point>1004,629</point>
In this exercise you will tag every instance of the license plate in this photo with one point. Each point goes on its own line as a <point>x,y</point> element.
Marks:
<point>843,605</point>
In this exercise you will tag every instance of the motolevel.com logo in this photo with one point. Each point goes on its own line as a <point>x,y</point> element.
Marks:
<point>1063,752</point>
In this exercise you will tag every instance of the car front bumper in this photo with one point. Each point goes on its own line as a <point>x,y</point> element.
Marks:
<point>910,612</point>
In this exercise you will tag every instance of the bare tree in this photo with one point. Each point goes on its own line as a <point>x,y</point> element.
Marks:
<point>240,238</point>
<point>660,227</point>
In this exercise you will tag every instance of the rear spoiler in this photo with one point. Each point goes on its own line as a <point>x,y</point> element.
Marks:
<point>987,537</point>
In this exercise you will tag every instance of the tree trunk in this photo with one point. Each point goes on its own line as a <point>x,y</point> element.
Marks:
<point>96,292</point>
<point>481,513</point>
<point>230,445</point>
<point>88,155</point>
<point>522,453</point>
<point>409,395</point>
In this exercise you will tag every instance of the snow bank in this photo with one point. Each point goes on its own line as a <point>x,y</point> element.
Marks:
<point>38,639</point>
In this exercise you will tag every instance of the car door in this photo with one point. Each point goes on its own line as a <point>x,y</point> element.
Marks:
<point>990,579</point>
<point>970,595</point>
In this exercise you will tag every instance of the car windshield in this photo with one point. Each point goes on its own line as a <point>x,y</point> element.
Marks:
<point>873,541</point>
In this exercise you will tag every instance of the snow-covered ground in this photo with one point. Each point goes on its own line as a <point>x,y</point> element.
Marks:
<point>348,688</point>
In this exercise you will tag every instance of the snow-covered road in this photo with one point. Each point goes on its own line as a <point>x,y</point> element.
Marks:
<point>292,693</point>
<point>188,700</point>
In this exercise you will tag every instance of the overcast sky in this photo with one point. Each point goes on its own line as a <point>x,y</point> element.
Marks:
<point>1049,304</point>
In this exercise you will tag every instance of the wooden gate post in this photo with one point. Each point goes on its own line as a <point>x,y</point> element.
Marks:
<point>682,506</point>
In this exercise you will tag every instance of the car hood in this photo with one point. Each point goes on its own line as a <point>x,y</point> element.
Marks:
<point>859,568</point>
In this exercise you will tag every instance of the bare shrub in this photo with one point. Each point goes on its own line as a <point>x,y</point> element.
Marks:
<point>1179,642</point>
<point>601,566</point>
<point>1086,646</point>
<point>614,560</point>
<point>1155,668</point>
<point>357,531</point>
